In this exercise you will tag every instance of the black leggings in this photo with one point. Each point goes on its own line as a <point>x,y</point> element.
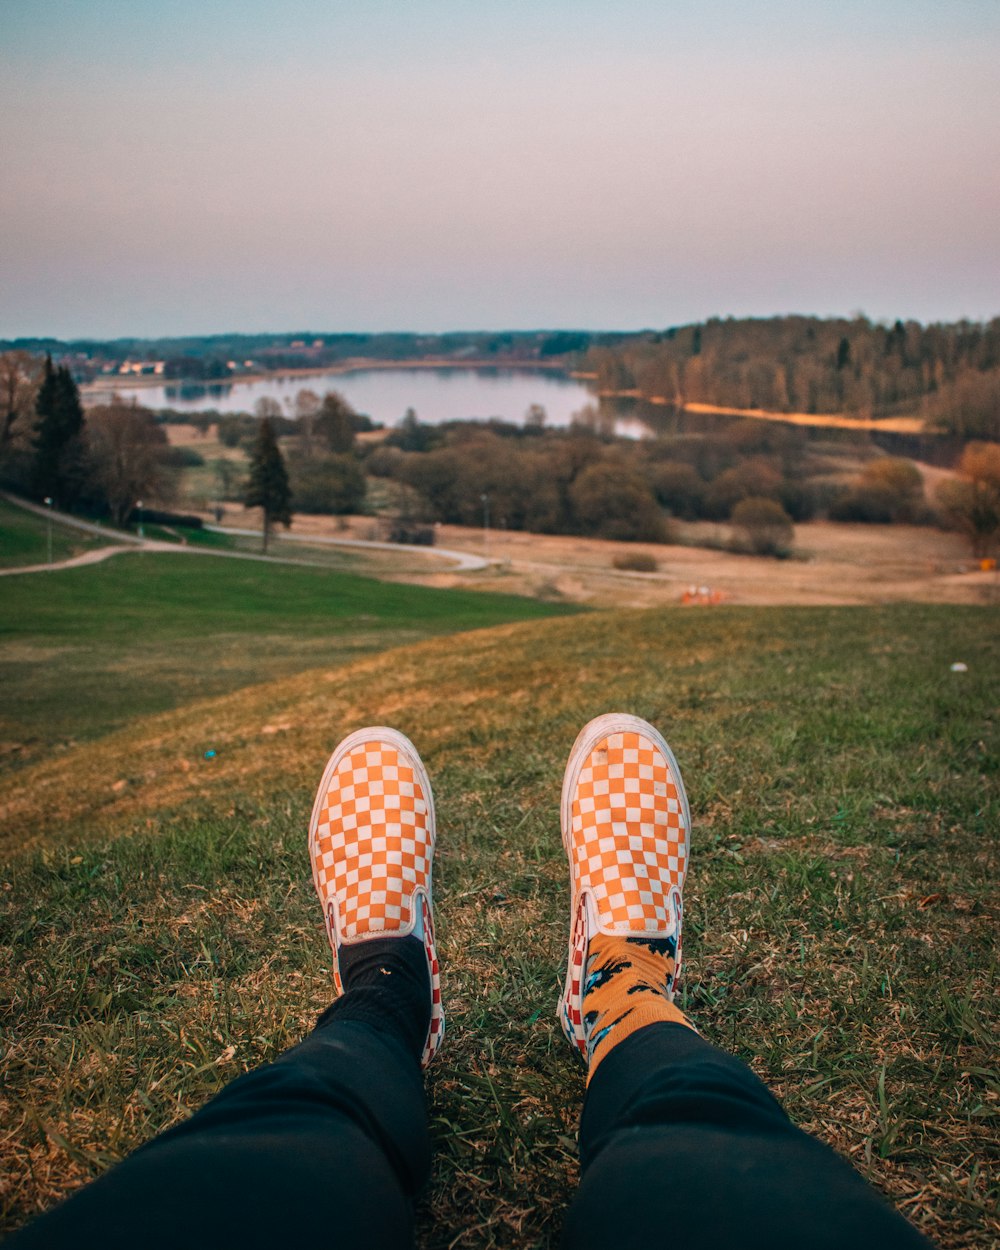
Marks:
<point>680,1144</point>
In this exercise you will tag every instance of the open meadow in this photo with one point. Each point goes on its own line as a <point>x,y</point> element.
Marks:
<point>84,651</point>
<point>169,718</point>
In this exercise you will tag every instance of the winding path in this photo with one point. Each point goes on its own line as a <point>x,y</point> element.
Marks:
<point>127,543</point>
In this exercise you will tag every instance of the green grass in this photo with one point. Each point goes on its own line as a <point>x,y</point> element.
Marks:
<point>841,906</point>
<point>209,538</point>
<point>24,539</point>
<point>85,651</point>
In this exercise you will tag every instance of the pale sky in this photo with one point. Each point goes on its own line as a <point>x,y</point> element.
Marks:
<point>198,166</point>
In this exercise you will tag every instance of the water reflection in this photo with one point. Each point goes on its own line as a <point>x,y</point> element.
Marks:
<point>436,395</point>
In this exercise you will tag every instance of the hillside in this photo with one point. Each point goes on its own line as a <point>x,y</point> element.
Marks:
<point>841,928</point>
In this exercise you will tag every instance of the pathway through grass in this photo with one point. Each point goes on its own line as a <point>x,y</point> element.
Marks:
<point>24,539</point>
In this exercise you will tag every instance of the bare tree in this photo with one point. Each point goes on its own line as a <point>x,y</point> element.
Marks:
<point>306,408</point>
<point>20,376</point>
<point>126,455</point>
<point>267,408</point>
<point>971,503</point>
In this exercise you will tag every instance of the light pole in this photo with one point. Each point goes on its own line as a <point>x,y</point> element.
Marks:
<point>486,524</point>
<point>48,504</point>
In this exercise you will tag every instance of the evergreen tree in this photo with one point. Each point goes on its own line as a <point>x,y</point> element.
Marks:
<point>268,486</point>
<point>58,467</point>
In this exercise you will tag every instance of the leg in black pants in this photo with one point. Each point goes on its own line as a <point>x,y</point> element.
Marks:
<point>325,1147</point>
<point>682,1146</point>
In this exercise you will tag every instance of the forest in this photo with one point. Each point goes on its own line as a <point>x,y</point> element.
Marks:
<point>947,374</point>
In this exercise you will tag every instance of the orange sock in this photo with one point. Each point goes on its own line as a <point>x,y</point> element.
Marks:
<point>626,988</point>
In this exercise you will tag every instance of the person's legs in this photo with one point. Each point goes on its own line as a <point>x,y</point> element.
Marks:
<point>328,1145</point>
<point>680,1144</point>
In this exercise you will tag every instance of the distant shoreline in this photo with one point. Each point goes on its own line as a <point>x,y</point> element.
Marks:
<point>105,388</point>
<point>108,384</point>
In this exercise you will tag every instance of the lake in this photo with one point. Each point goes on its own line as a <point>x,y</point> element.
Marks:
<point>436,395</point>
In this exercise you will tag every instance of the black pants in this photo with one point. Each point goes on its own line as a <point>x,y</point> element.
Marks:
<point>681,1146</point>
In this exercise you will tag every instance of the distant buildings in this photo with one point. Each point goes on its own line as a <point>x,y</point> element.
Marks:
<point>132,368</point>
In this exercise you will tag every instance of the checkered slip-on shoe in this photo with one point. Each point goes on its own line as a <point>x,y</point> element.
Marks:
<point>625,826</point>
<point>371,842</point>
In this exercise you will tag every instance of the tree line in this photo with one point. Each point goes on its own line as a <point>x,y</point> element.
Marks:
<point>105,460</point>
<point>582,480</point>
<point>586,481</point>
<point>102,461</point>
<point>949,374</point>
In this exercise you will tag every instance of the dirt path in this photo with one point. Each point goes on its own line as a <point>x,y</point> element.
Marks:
<point>465,561</point>
<point>74,562</point>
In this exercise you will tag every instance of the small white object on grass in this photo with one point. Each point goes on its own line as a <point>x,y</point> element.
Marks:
<point>959,667</point>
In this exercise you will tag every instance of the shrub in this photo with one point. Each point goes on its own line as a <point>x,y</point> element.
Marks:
<point>764,526</point>
<point>799,499</point>
<point>679,487</point>
<point>636,562</point>
<point>613,501</point>
<point>231,430</point>
<point>181,458</point>
<point>327,483</point>
<point>971,503</point>
<point>890,489</point>
<point>870,505</point>
<point>383,461</point>
<point>754,479</point>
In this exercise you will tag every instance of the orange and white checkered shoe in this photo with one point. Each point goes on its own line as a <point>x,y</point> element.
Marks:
<point>371,842</point>
<point>626,828</point>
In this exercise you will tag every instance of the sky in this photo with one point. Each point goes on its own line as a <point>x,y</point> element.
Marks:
<point>205,166</point>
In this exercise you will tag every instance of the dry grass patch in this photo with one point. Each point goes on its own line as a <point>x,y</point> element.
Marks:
<point>841,914</point>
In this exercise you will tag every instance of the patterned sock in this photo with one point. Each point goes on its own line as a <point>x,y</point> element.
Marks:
<point>386,984</point>
<point>626,989</point>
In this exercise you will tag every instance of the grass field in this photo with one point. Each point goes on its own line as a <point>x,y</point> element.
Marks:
<point>24,539</point>
<point>84,651</point>
<point>841,931</point>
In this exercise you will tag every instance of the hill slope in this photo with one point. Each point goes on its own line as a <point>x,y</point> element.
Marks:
<point>841,921</point>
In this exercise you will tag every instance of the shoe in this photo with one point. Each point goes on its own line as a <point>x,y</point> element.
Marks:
<point>371,842</point>
<point>626,827</point>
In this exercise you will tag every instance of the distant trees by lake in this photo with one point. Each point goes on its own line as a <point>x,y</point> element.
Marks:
<point>583,480</point>
<point>950,374</point>
<point>586,481</point>
<point>102,461</point>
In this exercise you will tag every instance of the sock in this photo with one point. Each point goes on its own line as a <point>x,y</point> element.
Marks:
<point>387,985</point>
<point>625,990</point>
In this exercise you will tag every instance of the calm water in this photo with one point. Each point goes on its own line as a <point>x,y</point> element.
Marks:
<point>385,394</point>
<point>436,395</point>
